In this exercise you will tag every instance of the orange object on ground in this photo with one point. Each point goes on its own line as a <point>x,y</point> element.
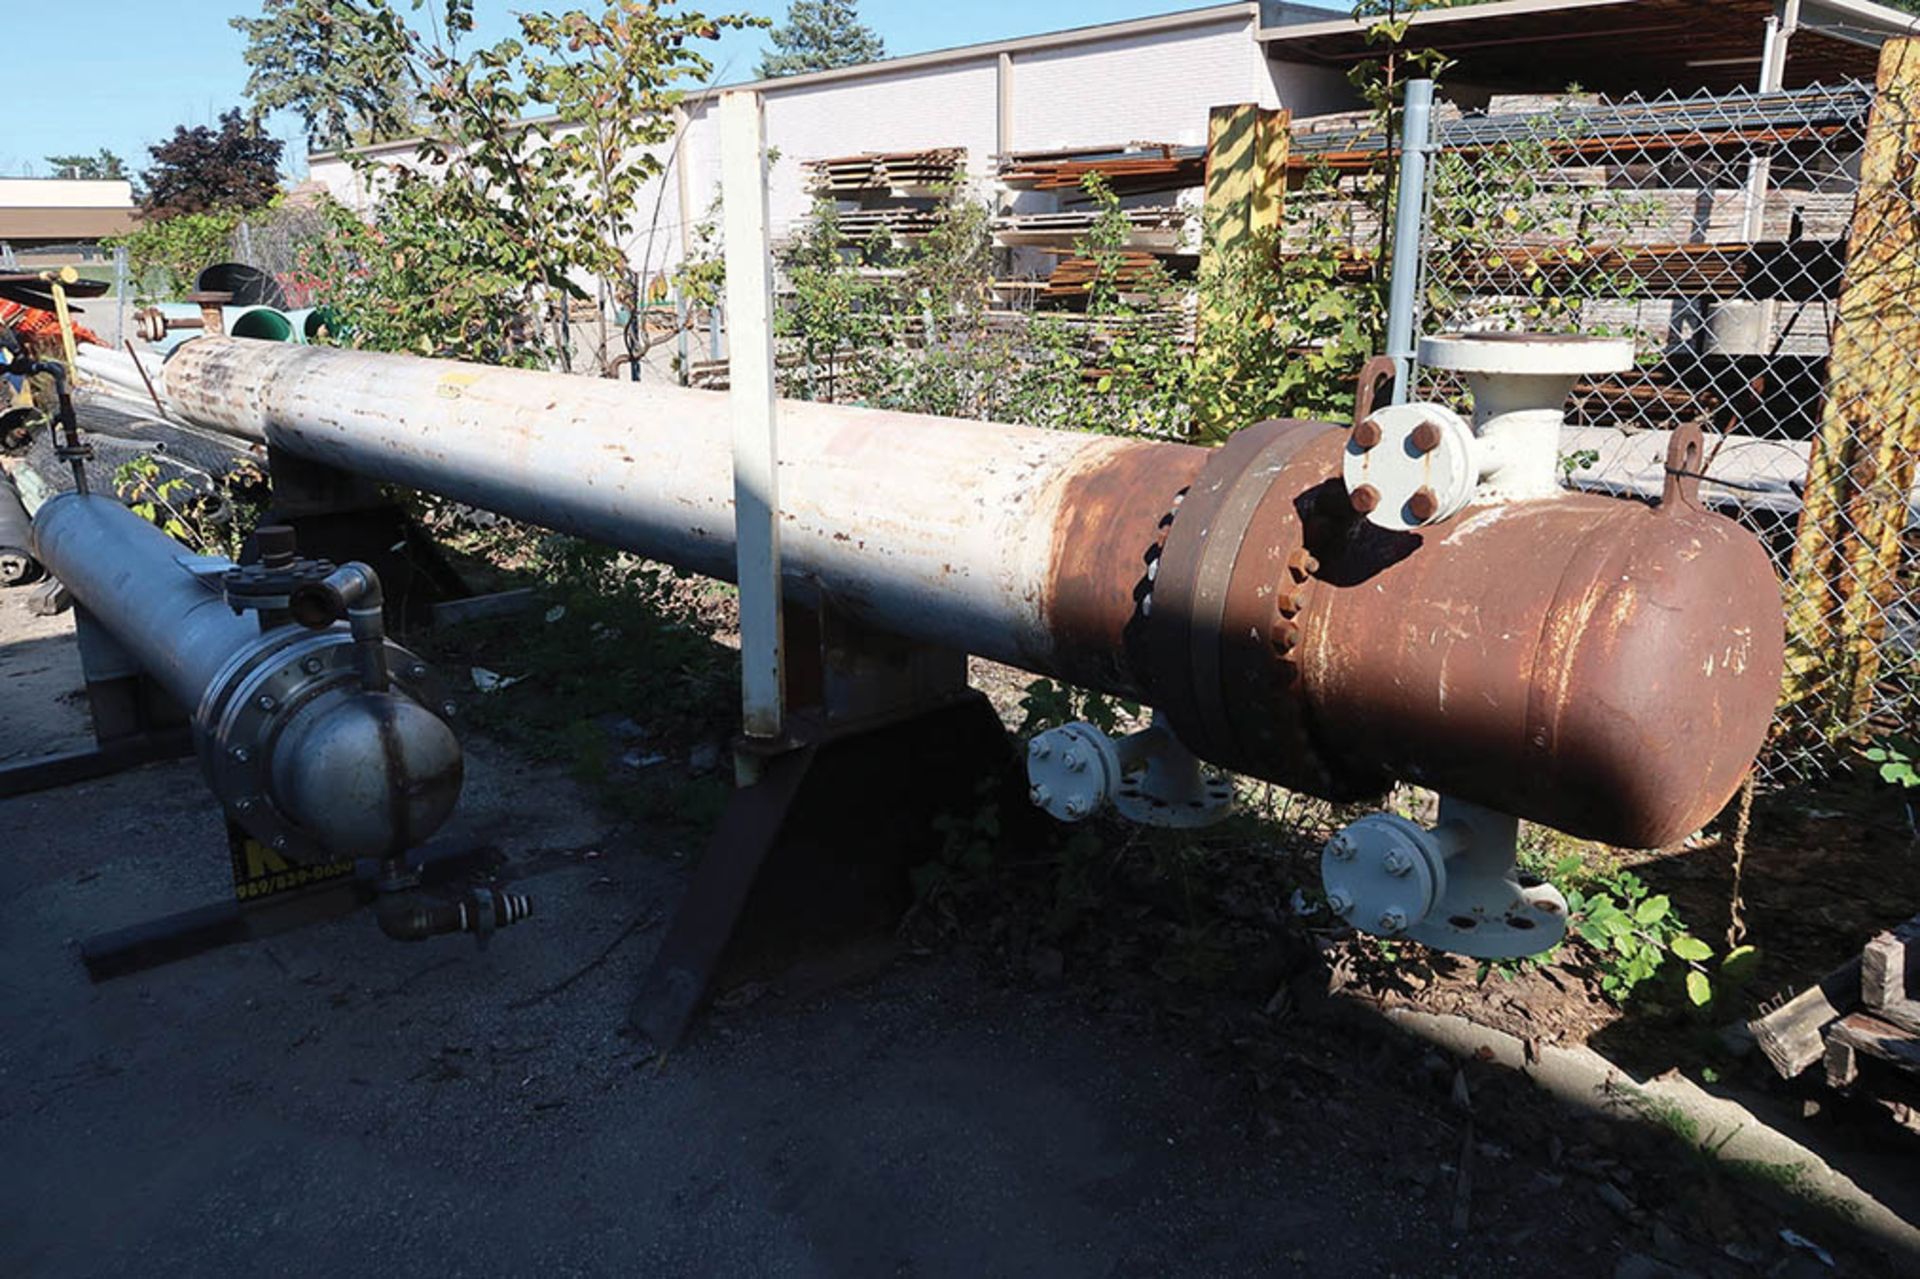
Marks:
<point>39,327</point>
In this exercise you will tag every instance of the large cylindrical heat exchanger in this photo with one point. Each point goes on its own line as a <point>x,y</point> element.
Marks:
<point>308,752</point>
<point>1586,662</point>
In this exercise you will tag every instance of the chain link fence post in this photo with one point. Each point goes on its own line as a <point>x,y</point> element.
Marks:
<point>1416,138</point>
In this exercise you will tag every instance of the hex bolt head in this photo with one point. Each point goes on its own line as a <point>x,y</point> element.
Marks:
<point>1039,795</point>
<point>1425,438</point>
<point>448,709</point>
<point>1366,433</point>
<point>416,671</point>
<point>1285,633</point>
<point>1397,863</point>
<point>1302,564</point>
<point>1076,807</point>
<point>312,665</point>
<point>265,702</point>
<point>1339,903</point>
<point>1424,504</point>
<point>240,754</point>
<point>1037,749</point>
<point>1288,602</point>
<point>1393,921</point>
<point>1365,499</point>
<point>1074,761</point>
<point>1341,848</point>
<point>243,805</point>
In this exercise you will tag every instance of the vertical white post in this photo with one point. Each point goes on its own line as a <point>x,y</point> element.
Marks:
<point>756,494</point>
<point>1003,105</point>
<point>1773,70</point>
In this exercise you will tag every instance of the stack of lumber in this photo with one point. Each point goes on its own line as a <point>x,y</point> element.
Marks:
<point>1074,276</point>
<point>1132,169</point>
<point>1862,1023</point>
<point>918,172</point>
<point>1153,227</point>
<point>1814,117</point>
<point>901,223</point>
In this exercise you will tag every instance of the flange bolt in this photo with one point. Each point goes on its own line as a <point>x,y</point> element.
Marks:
<point>1039,795</point>
<point>1038,749</point>
<point>1341,848</point>
<point>1398,863</point>
<point>1393,921</point>
<point>1074,762</point>
<point>1425,438</point>
<point>311,666</point>
<point>1366,433</point>
<point>1424,504</point>
<point>1365,499</point>
<point>1076,807</point>
<point>1339,903</point>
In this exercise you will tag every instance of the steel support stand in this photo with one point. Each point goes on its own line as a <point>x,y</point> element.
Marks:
<point>884,739</point>
<point>344,517</point>
<point>134,721</point>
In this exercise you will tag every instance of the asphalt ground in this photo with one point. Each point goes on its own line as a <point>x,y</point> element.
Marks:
<point>328,1102</point>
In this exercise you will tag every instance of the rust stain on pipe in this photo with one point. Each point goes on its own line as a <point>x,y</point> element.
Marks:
<point>1586,662</point>
<point>1114,518</point>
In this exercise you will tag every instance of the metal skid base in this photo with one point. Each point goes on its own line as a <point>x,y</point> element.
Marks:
<point>95,762</point>
<point>817,852</point>
<point>226,923</point>
<point>134,723</point>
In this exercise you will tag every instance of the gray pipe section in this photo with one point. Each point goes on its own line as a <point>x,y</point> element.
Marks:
<point>302,733</point>
<point>930,527</point>
<point>137,583</point>
<point>17,566</point>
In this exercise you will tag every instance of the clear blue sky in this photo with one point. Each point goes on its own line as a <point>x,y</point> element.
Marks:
<point>144,66</point>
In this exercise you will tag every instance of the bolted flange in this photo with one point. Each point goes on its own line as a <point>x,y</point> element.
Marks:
<point>1453,887</point>
<point>1422,468</point>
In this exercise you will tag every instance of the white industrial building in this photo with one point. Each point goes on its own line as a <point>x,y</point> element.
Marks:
<point>36,213</point>
<point>1150,79</point>
<point>1154,80</point>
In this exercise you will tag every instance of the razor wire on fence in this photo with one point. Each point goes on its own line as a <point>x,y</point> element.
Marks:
<point>1762,250</point>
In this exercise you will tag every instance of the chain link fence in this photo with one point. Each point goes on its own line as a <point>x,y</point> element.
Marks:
<point>1762,250</point>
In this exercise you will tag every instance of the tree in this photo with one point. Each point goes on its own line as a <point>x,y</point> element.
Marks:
<point>821,35</point>
<point>529,181</point>
<point>339,63</point>
<point>102,166</point>
<point>200,169</point>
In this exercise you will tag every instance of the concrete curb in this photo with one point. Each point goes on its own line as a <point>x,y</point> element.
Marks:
<point>1584,1079</point>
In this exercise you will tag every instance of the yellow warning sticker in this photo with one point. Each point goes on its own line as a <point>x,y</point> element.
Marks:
<point>260,871</point>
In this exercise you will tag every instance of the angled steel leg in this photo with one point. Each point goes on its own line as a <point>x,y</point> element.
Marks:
<point>818,852</point>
